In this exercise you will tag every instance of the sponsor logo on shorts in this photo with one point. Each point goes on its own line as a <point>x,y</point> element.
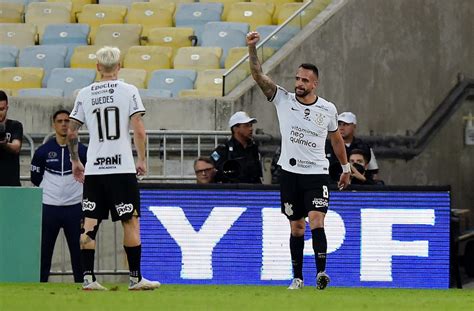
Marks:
<point>124,208</point>
<point>88,205</point>
<point>288,209</point>
<point>318,203</point>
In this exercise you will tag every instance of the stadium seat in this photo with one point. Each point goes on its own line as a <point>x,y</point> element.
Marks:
<point>172,37</point>
<point>17,78</point>
<point>43,92</point>
<point>225,35</point>
<point>172,80</point>
<point>196,15</point>
<point>198,58</point>
<point>278,4</point>
<point>305,17</point>
<point>253,13</point>
<point>8,56</point>
<point>47,57</point>
<point>69,35</point>
<point>149,15</point>
<point>209,83</point>
<point>149,58</point>
<point>69,79</point>
<point>227,4</point>
<point>164,4</point>
<point>45,13</point>
<point>98,14</point>
<point>152,93</point>
<point>135,77</point>
<point>11,12</point>
<point>236,54</point>
<point>122,36</point>
<point>76,6</point>
<point>176,2</point>
<point>280,38</point>
<point>19,35</point>
<point>127,3</point>
<point>84,57</point>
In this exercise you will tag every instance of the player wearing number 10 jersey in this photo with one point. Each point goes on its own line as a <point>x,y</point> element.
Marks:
<point>108,108</point>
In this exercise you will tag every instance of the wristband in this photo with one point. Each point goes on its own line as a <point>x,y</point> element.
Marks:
<point>346,168</point>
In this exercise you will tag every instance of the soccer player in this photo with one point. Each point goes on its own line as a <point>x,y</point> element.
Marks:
<point>108,108</point>
<point>305,121</point>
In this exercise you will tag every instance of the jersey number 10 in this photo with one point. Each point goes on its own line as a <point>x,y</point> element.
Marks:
<point>110,113</point>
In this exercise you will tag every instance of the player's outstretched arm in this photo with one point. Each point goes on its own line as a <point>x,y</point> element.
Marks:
<point>73,146</point>
<point>266,84</point>
<point>139,139</point>
<point>340,150</point>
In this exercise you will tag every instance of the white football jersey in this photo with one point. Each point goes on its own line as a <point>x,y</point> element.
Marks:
<point>106,108</point>
<point>304,129</point>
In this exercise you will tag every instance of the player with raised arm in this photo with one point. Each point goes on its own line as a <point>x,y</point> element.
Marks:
<point>108,108</point>
<point>305,120</point>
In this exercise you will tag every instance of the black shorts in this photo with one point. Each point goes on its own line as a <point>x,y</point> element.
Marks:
<point>301,194</point>
<point>117,193</point>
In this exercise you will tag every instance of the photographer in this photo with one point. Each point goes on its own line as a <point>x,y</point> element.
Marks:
<point>238,161</point>
<point>11,135</point>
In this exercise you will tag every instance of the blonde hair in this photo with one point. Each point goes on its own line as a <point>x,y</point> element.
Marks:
<point>108,57</point>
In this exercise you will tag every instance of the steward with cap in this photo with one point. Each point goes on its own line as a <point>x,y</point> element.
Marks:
<point>238,160</point>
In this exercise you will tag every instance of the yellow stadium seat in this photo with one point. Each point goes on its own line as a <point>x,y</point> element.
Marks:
<point>76,5</point>
<point>16,78</point>
<point>150,15</point>
<point>122,36</point>
<point>45,13</point>
<point>149,58</point>
<point>18,34</point>
<point>236,54</point>
<point>171,36</point>
<point>210,83</point>
<point>278,4</point>
<point>227,6</point>
<point>99,14</point>
<point>84,57</point>
<point>253,13</point>
<point>11,12</point>
<point>306,16</point>
<point>167,5</point>
<point>135,77</point>
<point>198,58</point>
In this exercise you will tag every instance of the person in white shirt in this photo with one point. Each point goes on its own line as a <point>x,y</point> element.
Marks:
<point>108,108</point>
<point>305,121</point>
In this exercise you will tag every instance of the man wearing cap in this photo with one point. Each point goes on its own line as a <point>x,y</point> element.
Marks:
<point>238,160</point>
<point>347,123</point>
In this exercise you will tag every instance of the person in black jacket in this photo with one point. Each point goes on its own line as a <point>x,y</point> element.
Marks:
<point>238,160</point>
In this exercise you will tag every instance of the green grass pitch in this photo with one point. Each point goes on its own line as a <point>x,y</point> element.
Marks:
<point>65,297</point>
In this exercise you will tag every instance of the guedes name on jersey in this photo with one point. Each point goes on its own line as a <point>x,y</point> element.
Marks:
<point>102,100</point>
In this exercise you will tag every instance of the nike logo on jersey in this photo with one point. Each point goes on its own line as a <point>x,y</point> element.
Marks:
<point>294,109</point>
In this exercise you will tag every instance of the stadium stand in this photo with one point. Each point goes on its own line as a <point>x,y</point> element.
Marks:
<point>307,15</point>
<point>45,13</point>
<point>16,78</point>
<point>225,35</point>
<point>135,77</point>
<point>84,57</point>
<point>69,79</point>
<point>153,93</point>
<point>172,37</point>
<point>278,4</point>
<point>19,35</point>
<point>149,58</point>
<point>69,35</point>
<point>43,92</point>
<point>122,36</point>
<point>198,58</point>
<point>254,13</point>
<point>11,12</point>
<point>278,39</point>
<point>47,57</point>
<point>77,6</point>
<point>196,15</point>
<point>127,3</point>
<point>237,53</point>
<point>209,83</point>
<point>172,80</point>
<point>98,14</point>
<point>8,56</point>
<point>150,15</point>
<point>227,5</point>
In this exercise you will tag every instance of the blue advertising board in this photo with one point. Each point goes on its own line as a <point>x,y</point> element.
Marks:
<point>396,239</point>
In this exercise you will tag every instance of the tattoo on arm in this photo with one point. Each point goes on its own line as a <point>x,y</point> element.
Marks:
<point>73,141</point>
<point>266,84</point>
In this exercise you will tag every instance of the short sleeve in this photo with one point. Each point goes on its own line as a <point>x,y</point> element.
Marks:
<point>17,133</point>
<point>78,110</point>
<point>279,96</point>
<point>136,104</point>
<point>333,125</point>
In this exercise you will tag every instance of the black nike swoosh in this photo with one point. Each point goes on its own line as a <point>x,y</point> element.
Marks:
<point>294,109</point>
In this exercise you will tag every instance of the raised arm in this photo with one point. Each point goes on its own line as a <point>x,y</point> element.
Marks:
<point>73,146</point>
<point>266,84</point>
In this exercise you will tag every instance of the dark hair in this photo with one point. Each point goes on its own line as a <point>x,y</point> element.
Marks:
<point>60,111</point>
<point>311,67</point>
<point>3,96</point>
<point>362,153</point>
<point>203,159</point>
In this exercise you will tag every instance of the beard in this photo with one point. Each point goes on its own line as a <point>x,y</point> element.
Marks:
<point>304,94</point>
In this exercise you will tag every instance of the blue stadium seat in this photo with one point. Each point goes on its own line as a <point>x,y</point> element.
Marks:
<point>153,93</point>
<point>69,35</point>
<point>225,35</point>
<point>70,79</point>
<point>278,40</point>
<point>196,15</point>
<point>173,80</point>
<point>8,55</point>
<point>47,57</point>
<point>43,92</point>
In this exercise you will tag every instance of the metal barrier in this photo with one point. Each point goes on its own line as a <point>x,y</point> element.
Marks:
<point>31,148</point>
